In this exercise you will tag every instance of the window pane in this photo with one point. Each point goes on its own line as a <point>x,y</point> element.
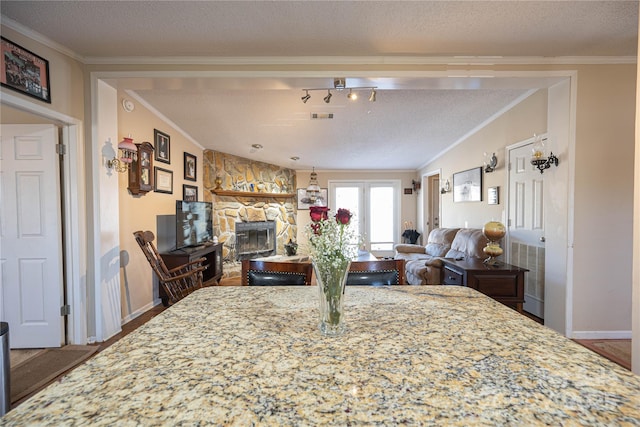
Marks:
<point>349,198</point>
<point>381,216</point>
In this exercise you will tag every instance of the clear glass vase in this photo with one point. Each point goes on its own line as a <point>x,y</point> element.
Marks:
<point>331,279</point>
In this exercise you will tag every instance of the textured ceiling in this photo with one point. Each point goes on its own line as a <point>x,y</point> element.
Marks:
<point>412,120</point>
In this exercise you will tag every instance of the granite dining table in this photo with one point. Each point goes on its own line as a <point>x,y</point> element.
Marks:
<point>429,355</point>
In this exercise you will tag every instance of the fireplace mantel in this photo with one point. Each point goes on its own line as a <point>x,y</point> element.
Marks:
<point>253,194</point>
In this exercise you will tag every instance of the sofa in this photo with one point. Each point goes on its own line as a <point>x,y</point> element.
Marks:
<point>423,264</point>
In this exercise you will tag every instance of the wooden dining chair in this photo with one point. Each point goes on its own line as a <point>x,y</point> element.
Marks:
<point>178,282</point>
<point>273,273</point>
<point>376,273</point>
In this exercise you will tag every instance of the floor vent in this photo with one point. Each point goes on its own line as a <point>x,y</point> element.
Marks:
<point>315,116</point>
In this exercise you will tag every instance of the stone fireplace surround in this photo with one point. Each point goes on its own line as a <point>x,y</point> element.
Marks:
<point>234,201</point>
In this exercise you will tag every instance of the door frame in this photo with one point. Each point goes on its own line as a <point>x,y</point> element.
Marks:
<point>73,210</point>
<point>424,205</point>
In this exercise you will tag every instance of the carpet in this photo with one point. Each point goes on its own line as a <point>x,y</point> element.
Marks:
<point>618,351</point>
<point>37,371</point>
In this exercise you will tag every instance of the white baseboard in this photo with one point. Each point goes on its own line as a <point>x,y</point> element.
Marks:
<point>601,335</point>
<point>138,312</point>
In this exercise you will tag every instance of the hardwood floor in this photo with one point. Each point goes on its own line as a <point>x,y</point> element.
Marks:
<point>127,328</point>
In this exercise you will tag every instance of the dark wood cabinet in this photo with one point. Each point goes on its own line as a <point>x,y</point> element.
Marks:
<point>213,255</point>
<point>502,282</point>
<point>140,177</point>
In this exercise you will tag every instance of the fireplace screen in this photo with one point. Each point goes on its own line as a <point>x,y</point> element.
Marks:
<point>255,239</point>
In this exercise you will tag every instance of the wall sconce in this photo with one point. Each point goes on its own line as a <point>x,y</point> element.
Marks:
<point>128,154</point>
<point>416,185</point>
<point>446,188</point>
<point>490,163</point>
<point>538,157</point>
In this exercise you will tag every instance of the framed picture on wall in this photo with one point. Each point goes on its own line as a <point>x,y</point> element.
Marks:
<point>162,146</point>
<point>190,167</point>
<point>24,71</point>
<point>304,202</point>
<point>189,193</point>
<point>467,185</point>
<point>163,180</point>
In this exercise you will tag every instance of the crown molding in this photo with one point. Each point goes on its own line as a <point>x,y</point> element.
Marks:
<point>362,60</point>
<point>34,35</point>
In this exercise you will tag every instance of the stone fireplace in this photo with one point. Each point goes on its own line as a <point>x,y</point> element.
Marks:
<point>244,193</point>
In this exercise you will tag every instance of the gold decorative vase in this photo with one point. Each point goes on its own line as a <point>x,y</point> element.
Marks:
<point>493,231</point>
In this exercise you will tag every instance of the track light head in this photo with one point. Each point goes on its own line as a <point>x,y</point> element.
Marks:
<point>327,98</point>
<point>372,97</point>
<point>306,97</point>
<point>352,96</point>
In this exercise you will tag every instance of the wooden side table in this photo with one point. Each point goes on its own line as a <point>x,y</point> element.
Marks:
<point>213,255</point>
<point>502,282</point>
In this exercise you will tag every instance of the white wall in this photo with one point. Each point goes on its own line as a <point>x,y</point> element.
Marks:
<point>558,199</point>
<point>107,268</point>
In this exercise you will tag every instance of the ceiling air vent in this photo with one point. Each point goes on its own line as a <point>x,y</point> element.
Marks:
<point>315,116</point>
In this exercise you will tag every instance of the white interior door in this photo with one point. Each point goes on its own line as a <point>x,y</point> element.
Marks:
<point>526,226</point>
<point>30,225</point>
<point>434,205</point>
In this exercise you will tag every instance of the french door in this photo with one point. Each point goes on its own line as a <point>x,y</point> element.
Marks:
<point>376,209</point>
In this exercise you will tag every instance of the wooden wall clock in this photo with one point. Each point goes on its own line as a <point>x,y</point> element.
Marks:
<point>140,172</point>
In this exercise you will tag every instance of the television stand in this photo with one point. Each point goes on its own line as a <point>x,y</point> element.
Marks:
<point>213,263</point>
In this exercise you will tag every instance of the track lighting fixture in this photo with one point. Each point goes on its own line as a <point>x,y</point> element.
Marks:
<point>339,84</point>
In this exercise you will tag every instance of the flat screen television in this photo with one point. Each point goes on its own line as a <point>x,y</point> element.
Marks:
<point>193,223</point>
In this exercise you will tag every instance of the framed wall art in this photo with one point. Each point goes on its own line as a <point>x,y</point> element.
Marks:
<point>163,180</point>
<point>189,193</point>
<point>24,71</point>
<point>162,146</point>
<point>304,202</point>
<point>190,167</point>
<point>467,185</point>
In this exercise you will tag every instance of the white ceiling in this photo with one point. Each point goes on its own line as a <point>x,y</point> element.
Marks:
<point>414,118</point>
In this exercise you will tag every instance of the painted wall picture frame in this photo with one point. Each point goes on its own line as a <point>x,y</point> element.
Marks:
<point>467,185</point>
<point>24,71</point>
<point>493,195</point>
<point>162,146</point>
<point>189,193</point>
<point>163,180</point>
<point>304,202</point>
<point>190,167</point>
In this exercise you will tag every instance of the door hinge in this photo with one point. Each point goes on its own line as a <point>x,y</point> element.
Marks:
<point>509,223</point>
<point>65,310</point>
<point>61,149</point>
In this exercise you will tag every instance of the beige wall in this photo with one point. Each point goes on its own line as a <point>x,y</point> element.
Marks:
<point>507,129</point>
<point>603,180</point>
<point>604,198</point>
<point>66,76</point>
<point>407,202</point>
<point>138,286</point>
